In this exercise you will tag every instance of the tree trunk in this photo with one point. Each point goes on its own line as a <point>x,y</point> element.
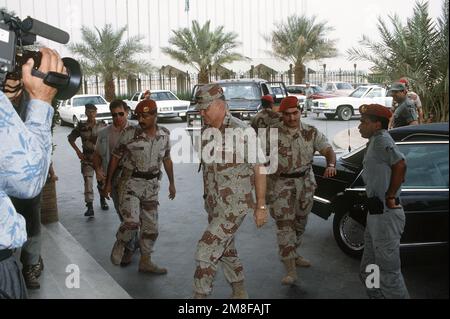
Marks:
<point>203,76</point>
<point>299,72</point>
<point>110,88</point>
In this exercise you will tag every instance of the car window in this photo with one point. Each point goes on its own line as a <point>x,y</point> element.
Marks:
<point>265,89</point>
<point>427,165</point>
<point>358,92</point>
<point>163,96</point>
<point>82,101</point>
<point>135,97</point>
<point>247,91</point>
<point>344,86</point>
<point>376,92</point>
<point>296,90</point>
<point>277,90</point>
<point>317,89</point>
<point>329,87</point>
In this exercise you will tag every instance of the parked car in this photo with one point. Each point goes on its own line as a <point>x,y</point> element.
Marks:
<point>169,105</point>
<point>73,111</point>
<point>424,195</point>
<point>298,90</point>
<point>243,97</point>
<point>338,88</point>
<point>279,90</point>
<point>346,107</point>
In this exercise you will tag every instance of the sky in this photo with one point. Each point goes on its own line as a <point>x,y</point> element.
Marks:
<point>250,19</point>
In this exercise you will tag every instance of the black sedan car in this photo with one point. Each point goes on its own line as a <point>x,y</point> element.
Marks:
<point>424,193</point>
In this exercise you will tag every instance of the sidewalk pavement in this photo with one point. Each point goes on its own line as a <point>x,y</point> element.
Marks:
<point>347,137</point>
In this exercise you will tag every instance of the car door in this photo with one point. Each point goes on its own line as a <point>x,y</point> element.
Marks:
<point>425,192</point>
<point>64,111</point>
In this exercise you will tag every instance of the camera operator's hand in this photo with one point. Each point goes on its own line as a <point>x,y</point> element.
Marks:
<point>35,86</point>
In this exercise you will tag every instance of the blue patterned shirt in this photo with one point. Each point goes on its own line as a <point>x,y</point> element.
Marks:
<point>25,151</point>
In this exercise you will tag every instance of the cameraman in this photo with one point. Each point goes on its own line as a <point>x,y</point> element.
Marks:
<point>25,154</point>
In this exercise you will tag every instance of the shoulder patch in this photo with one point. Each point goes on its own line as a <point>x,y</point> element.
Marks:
<point>164,130</point>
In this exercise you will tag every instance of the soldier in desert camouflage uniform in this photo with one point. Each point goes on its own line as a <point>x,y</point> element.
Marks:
<point>266,117</point>
<point>141,150</point>
<point>88,132</point>
<point>228,197</point>
<point>291,188</point>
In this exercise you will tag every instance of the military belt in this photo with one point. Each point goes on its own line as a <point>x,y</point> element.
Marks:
<point>5,254</point>
<point>145,175</point>
<point>295,175</point>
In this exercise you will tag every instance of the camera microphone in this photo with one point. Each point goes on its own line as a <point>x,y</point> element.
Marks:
<point>45,30</point>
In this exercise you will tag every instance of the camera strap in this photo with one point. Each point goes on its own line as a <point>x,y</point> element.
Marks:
<point>53,79</point>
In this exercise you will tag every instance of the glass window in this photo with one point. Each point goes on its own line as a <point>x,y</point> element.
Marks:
<point>163,96</point>
<point>358,92</point>
<point>374,93</point>
<point>82,101</point>
<point>427,165</point>
<point>246,91</point>
<point>329,87</point>
<point>317,89</point>
<point>344,86</point>
<point>135,97</point>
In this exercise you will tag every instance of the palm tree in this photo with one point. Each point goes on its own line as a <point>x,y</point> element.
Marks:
<point>105,53</point>
<point>300,40</point>
<point>202,48</point>
<point>417,50</point>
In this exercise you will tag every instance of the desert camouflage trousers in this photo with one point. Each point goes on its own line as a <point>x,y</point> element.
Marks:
<point>87,170</point>
<point>138,206</point>
<point>290,201</point>
<point>217,245</point>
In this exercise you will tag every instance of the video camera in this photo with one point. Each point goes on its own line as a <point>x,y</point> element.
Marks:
<point>15,35</point>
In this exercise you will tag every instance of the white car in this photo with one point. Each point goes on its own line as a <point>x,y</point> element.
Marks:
<point>169,105</point>
<point>338,88</point>
<point>347,106</point>
<point>73,111</point>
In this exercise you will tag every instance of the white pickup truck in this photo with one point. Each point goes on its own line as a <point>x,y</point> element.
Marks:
<point>169,105</point>
<point>346,107</point>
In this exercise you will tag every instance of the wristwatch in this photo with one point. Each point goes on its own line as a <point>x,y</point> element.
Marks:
<point>262,207</point>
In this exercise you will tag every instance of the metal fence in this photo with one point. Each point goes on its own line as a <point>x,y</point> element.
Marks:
<point>182,83</point>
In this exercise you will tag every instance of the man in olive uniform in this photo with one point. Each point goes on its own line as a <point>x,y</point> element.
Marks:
<point>266,117</point>
<point>88,132</point>
<point>228,195</point>
<point>291,188</point>
<point>384,172</point>
<point>141,150</point>
<point>405,113</point>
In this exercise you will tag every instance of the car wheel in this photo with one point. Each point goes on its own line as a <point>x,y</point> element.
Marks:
<point>349,234</point>
<point>330,116</point>
<point>184,118</point>
<point>345,113</point>
<point>75,121</point>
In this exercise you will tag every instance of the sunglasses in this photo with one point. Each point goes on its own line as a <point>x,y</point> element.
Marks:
<point>118,114</point>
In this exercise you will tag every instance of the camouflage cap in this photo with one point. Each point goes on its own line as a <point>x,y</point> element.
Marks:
<point>398,86</point>
<point>206,94</point>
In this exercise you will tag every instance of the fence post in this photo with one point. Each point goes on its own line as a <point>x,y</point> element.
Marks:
<point>354,66</point>
<point>324,72</point>
<point>118,85</point>
<point>96,83</point>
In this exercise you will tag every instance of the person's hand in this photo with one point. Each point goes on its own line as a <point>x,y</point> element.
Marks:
<point>50,62</point>
<point>101,177</point>
<point>80,156</point>
<point>172,191</point>
<point>329,172</point>
<point>390,203</point>
<point>106,191</point>
<point>260,216</point>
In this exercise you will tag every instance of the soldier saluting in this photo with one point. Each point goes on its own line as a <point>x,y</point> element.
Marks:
<point>141,151</point>
<point>88,131</point>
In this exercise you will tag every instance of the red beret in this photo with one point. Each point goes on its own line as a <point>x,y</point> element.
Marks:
<point>403,80</point>
<point>145,106</point>
<point>268,98</point>
<point>288,102</point>
<point>376,110</point>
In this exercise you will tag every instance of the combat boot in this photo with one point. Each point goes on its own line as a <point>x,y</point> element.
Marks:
<point>239,291</point>
<point>302,262</point>
<point>146,265</point>
<point>103,203</point>
<point>90,210</point>
<point>29,274</point>
<point>199,296</point>
<point>291,276</point>
<point>127,257</point>
<point>117,252</point>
